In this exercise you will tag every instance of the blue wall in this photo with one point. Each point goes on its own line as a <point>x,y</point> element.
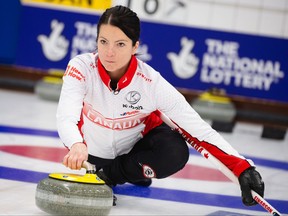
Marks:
<point>9,27</point>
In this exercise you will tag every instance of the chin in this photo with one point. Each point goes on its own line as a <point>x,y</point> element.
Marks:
<point>109,68</point>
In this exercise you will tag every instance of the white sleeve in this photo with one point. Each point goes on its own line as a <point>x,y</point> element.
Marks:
<point>171,102</point>
<point>70,103</point>
<point>174,105</point>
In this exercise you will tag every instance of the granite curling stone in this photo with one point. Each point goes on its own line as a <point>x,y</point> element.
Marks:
<point>215,105</point>
<point>70,194</point>
<point>48,88</point>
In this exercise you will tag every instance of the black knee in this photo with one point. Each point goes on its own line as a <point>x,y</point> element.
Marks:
<point>175,157</point>
<point>179,155</point>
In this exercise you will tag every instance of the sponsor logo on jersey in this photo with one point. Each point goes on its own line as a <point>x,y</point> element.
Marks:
<point>139,107</point>
<point>144,77</point>
<point>133,97</point>
<point>129,113</point>
<point>74,72</point>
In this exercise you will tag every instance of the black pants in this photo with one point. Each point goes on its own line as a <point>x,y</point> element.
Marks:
<point>159,154</point>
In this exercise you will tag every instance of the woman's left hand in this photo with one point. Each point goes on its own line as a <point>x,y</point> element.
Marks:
<point>249,180</point>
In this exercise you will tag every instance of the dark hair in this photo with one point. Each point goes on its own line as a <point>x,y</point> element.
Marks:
<point>123,18</point>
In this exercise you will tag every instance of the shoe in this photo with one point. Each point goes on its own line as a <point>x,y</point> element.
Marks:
<point>143,183</point>
<point>114,200</point>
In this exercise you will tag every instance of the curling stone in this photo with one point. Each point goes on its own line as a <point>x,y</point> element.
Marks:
<point>49,88</point>
<point>215,105</point>
<point>72,194</point>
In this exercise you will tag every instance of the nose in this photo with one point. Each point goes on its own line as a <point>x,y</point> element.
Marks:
<point>110,51</point>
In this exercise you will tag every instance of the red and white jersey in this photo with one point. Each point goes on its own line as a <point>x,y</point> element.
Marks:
<point>110,121</point>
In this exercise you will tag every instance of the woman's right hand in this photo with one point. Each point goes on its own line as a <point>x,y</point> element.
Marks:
<point>75,157</point>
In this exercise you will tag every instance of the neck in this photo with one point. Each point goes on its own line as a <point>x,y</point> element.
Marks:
<point>123,78</point>
<point>116,75</point>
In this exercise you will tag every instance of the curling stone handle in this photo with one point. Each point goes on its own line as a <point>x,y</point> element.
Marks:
<point>90,168</point>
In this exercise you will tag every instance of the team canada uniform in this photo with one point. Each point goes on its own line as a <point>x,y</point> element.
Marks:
<point>110,122</point>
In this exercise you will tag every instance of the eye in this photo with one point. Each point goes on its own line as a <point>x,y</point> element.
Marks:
<point>102,41</point>
<point>121,44</point>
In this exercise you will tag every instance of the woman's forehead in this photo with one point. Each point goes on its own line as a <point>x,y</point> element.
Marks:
<point>111,32</point>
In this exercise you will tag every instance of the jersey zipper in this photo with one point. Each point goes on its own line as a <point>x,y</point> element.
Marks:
<point>115,93</point>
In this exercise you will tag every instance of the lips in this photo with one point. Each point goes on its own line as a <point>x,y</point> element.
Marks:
<point>110,62</point>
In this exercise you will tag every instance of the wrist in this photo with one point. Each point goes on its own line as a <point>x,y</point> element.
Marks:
<point>78,144</point>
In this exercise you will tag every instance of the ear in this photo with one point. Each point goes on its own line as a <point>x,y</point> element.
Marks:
<point>135,47</point>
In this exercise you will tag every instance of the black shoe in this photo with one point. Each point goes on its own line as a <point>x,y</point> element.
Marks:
<point>143,183</point>
<point>114,200</point>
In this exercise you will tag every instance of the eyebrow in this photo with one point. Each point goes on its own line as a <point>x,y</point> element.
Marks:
<point>121,40</point>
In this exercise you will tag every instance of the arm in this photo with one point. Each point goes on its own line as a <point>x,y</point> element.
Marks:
<point>249,180</point>
<point>201,136</point>
<point>69,115</point>
<point>174,105</point>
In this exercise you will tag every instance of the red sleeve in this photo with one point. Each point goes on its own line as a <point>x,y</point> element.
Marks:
<point>236,164</point>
